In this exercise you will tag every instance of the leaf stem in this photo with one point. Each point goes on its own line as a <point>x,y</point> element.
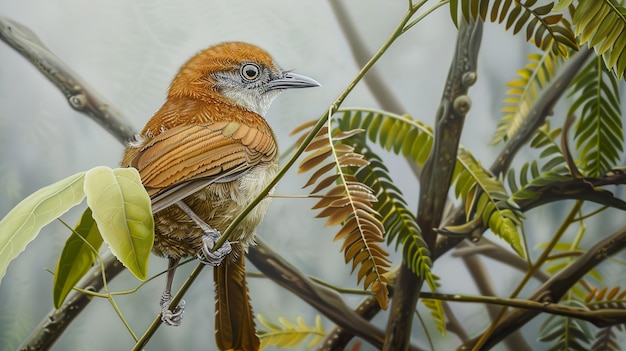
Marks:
<point>109,297</point>
<point>426,13</point>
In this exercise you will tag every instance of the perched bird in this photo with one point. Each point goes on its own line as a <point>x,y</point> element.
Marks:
<point>204,155</point>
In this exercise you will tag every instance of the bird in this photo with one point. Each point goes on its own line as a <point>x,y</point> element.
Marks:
<point>202,157</point>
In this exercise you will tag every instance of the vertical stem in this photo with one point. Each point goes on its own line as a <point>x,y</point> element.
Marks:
<point>436,177</point>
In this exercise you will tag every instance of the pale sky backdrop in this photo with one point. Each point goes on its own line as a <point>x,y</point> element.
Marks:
<point>130,50</point>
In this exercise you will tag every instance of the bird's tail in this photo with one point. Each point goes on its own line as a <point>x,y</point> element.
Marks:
<point>234,320</point>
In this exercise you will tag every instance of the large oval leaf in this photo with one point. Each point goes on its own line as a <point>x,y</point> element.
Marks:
<point>78,255</point>
<point>122,209</point>
<point>20,226</point>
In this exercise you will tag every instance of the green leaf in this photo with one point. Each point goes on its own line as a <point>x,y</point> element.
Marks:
<point>77,257</point>
<point>122,209</point>
<point>454,12</point>
<point>22,224</point>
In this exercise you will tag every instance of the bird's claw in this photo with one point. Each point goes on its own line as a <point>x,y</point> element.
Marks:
<point>213,258</point>
<point>169,317</point>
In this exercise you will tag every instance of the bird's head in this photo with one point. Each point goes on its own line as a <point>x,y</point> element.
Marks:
<point>236,73</point>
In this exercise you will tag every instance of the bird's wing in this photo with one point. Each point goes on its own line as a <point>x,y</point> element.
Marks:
<point>184,159</point>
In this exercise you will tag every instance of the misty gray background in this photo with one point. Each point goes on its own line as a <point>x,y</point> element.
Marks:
<point>130,50</point>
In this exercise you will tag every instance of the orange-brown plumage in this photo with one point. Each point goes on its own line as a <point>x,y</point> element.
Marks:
<point>209,149</point>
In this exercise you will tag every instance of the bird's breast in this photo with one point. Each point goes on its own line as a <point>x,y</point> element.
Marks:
<point>177,236</point>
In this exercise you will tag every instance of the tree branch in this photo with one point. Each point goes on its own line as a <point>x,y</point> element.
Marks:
<point>436,176</point>
<point>79,95</point>
<point>56,321</point>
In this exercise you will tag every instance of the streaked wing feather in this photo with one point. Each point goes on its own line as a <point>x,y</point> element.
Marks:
<point>184,159</point>
<point>172,195</point>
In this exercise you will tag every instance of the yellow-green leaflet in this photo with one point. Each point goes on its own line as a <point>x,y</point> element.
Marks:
<point>22,224</point>
<point>122,209</point>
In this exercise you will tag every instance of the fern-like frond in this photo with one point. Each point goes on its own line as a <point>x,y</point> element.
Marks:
<point>543,26</point>
<point>401,134</point>
<point>605,298</point>
<point>599,132</point>
<point>606,340</point>
<point>399,222</point>
<point>288,334</point>
<point>398,134</point>
<point>348,202</point>
<point>531,176</point>
<point>566,333</point>
<point>413,139</point>
<point>615,298</point>
<point>437,313</point>
<point>524,92</point>
<point>602,24</point>
<point>486,198</point>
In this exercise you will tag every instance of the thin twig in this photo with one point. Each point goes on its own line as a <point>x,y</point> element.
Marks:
<point>478,271</point>
<point>486,248</point>
<point>601,317</point>
<point>381,91</point>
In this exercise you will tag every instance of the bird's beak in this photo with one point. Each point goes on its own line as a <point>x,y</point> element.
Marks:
<point>292,80</point>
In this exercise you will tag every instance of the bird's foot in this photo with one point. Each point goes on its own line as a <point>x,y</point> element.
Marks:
<point>169,317</point>
<point>213,258</point>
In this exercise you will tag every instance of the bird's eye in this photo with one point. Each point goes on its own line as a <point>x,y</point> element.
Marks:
<point>250,71</point>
